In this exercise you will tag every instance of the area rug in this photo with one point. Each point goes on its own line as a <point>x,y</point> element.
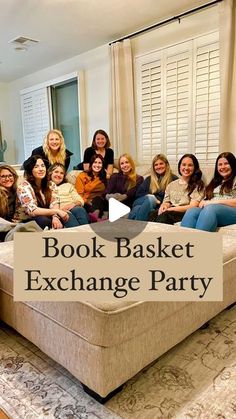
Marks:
<point>196,379</point>
<point>34,386</point>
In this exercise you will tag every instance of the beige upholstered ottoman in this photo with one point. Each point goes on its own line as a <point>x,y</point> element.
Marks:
<point>105,344</point>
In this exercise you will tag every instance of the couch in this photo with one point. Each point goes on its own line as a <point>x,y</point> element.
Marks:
<point>105,344</point>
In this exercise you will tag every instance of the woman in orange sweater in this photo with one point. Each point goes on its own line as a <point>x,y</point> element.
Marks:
<point>92,183</point>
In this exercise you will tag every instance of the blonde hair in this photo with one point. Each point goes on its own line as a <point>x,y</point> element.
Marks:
<point>61,154</point>
<point>13,172</point>
<point>157,184</point>
<point>132,174</point>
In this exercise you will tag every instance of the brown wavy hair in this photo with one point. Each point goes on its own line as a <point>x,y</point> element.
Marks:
<point>195,181</point>
<point>226,185</point>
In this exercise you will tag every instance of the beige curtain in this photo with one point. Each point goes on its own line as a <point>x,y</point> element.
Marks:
<point>121,112</point>
<point>228,75</point>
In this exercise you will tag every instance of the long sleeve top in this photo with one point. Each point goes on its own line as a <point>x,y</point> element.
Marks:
<point>27,201</point>
<point>118,184</point>
<point>88,187</point>
<point>144,189</point>
<point>67,194</point>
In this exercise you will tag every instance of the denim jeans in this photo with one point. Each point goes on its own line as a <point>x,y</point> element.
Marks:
<point>77,216</point>
<point>142,207</point>
<point>209,217</point>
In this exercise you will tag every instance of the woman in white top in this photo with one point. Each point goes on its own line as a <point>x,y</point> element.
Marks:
<point>69,199</point>
<point>219,206</point>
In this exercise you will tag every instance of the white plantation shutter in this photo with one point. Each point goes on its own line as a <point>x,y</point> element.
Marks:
<point>35,118</point>
<point>207,100</point>
<point>151,116</point>
<point>178,77</point>
<point>178,100</point>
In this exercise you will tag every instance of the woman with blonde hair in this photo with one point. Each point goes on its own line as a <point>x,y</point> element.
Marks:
<point>123,185</point>
<point>8,186</point>
<point>53,149</point>
<point>150,193</point>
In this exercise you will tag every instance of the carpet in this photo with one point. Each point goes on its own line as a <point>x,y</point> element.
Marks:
<point>194,380</point>
<point>34,386</point>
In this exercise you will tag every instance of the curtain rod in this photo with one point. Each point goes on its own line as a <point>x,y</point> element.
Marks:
<point>164,22</point>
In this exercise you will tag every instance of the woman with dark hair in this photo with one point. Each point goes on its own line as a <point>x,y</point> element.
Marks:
<point>122,186</point>
<point>53,149</point>
<point>181,194</point>
<point>38,197</point>
<point>8,185</point>
<point>150,193</point>
<point>92,183</point>
<point>100,145</point>
<point>218,209</point>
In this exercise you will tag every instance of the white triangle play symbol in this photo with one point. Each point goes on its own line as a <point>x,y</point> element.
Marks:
<point>117,210</point>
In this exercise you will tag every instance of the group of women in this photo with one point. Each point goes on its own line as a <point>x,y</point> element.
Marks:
<point>47,198</point>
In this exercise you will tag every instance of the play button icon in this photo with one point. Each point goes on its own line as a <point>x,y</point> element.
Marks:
<point>117,210</point>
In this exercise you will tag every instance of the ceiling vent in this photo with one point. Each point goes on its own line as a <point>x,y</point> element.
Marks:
<point>23,41</point>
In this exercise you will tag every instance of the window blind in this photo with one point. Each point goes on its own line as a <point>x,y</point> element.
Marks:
<point>35,118</point>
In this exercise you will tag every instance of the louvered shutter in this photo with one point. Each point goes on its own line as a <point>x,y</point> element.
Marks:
<point>177,103</point>
<point>35,118</point>
<point>207,99</point>
<point>150,113</point>
<point>178,100</point>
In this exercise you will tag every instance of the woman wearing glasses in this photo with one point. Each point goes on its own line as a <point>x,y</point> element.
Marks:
<point>8,180</point>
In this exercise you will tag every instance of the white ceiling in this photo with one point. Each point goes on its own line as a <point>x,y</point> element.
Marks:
<point>66,28</point>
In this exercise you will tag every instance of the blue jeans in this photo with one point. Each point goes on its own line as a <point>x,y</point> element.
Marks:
<point>209,217</point>
<point>77,216</point>
<point>142,207</point>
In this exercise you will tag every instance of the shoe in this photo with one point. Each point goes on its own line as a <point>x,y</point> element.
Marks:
<point>93,218</point>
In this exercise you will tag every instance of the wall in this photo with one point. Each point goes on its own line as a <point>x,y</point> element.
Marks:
<point>5,114</point>
<point>95,65</point>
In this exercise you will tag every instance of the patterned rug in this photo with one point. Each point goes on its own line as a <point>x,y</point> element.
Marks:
<point>34,386</point>
<point>194,380</point>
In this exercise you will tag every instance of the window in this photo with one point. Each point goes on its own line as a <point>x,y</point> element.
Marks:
<point>178,100</point>
<point>35,118</point>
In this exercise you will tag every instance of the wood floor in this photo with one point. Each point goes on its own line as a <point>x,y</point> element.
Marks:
<point>3,415</point>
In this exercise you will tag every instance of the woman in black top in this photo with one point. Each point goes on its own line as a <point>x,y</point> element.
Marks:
<point>100,145</point>
<point>53,149</point>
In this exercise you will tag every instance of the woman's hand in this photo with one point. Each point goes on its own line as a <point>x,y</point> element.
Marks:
<point>164,207</point>
<point>63,215</point>
<point>56,223</point>
<point>204,203</point>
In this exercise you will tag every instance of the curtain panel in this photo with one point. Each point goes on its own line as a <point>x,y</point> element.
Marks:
<point>227,15</point>
<point>121,109</point>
